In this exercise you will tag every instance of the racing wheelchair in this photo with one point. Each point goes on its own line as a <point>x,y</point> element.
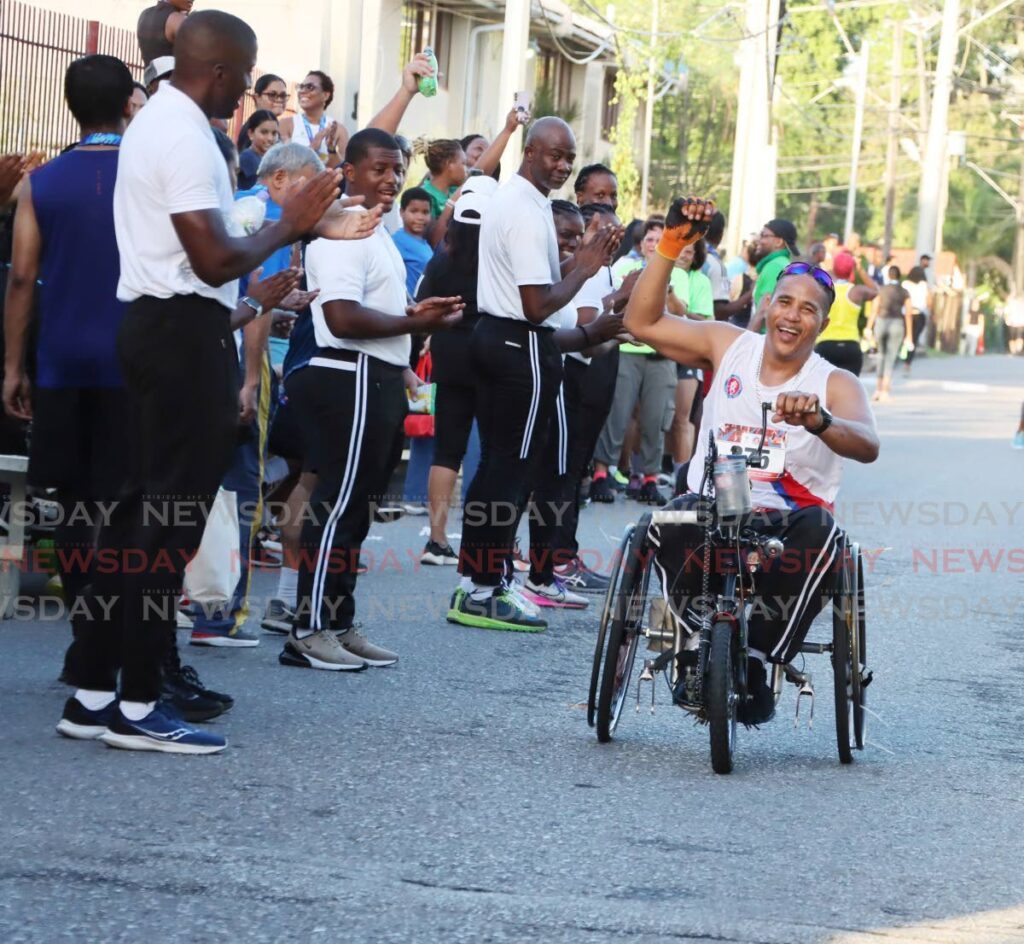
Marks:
<point>706,672</point>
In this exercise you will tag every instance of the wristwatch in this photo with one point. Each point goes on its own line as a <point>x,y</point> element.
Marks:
<point>826,422</point>
<point>253,304</point>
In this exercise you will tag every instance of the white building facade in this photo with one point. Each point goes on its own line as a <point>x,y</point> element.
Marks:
<point>487,50</point>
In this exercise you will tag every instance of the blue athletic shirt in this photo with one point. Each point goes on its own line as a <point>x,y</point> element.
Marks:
<point>79,314</point>
<point>416,252</point>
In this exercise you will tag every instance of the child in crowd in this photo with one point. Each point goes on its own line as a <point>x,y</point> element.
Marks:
<point>411,238</point>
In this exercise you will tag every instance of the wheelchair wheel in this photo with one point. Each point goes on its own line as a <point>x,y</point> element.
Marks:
<point>624,631</point>
<point>611,595</point>
<point>720,697</point>
<point>846,659</point>
<point>858,652</point>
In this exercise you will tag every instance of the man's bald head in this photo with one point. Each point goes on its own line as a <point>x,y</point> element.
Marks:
<point>549,154</point>
<point>549,129</point>
<point>214,55</point>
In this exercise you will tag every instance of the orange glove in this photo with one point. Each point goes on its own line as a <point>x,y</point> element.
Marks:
<point>687,220</point>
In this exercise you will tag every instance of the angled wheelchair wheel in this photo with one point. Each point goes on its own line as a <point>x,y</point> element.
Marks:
<point>845,664</point>
<point>858,652</point>
<point>624,630</point>
<point>720,697</point>
<point>607,614</point>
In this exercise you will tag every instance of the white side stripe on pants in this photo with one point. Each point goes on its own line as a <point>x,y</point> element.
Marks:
<point>355,445</point>
<point>811,585</point>
<point>531,417</point>
<point>563,432</point>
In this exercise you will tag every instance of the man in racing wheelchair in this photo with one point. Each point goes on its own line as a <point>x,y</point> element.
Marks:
<point>821,416</point>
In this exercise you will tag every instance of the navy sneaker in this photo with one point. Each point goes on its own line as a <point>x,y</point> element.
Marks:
<point>161,730</point>
<point>83,723</point>
<point>581,579</point>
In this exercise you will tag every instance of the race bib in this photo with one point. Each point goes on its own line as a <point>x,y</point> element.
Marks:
<point>733,440</point>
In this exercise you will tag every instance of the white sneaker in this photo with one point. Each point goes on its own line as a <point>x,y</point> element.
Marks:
<point>515,590</point>
<point>554,594</point>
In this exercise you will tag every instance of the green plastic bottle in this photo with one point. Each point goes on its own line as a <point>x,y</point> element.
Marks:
<point>428,83</point>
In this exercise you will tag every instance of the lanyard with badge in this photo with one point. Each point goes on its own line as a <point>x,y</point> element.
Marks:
<point>320,127</point>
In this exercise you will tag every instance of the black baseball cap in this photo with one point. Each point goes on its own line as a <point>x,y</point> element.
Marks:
<point>786,231</point>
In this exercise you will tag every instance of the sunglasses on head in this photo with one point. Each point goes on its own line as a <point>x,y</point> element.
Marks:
<point>818,274</point>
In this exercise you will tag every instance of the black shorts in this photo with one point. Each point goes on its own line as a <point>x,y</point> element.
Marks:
<point>844,354</point>
<point>80,441</point>
<point>285,436</point>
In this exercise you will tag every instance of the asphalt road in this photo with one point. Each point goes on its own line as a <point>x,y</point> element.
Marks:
<point>461,797</point>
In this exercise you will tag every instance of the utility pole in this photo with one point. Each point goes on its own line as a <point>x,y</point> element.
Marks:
<point>895,97</point>
<point>929,196</point>
<point>1018,242</point>
<point>861,93</point>
<point>752,196</point>
<point>512,77</point>
<point>649,114</point>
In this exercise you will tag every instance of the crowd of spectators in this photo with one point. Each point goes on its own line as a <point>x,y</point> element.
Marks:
<point>314,291</point>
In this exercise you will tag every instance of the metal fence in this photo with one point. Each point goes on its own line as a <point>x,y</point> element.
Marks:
<point>36,47</point>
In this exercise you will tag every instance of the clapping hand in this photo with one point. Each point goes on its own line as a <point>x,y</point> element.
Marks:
<point>433,314</point>
<point>306,205</point>
<point>338,224</point>
<point>599,242</point>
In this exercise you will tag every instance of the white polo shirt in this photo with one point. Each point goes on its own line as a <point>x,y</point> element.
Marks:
<point>518,246</point>
<point>368,271</point>
<point>169,163</point>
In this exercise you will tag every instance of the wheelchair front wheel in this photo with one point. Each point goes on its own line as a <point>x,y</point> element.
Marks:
<point>720,697</point>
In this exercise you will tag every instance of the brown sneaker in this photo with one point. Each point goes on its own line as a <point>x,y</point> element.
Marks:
<point>359,647</point>
<point>320,651</point>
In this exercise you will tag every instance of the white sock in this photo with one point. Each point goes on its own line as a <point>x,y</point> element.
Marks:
<point>466,584</point>
<point>136,710</point>
<point>481,592</point>
<point>93,700</point>
<point>757,654</point>
<point>287,585</point>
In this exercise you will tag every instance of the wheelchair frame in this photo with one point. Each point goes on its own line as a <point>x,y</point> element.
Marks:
<point>719,684</point>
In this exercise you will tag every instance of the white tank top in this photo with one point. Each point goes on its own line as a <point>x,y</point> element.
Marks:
<point>303,131</point>
<point>802,470</point>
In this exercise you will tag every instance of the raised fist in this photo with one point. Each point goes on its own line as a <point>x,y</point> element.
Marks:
<point>686,221</point>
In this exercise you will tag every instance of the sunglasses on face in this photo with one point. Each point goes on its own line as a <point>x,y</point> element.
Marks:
<point>276,96</point>
<point>309,87</point>
<point>819,275</point>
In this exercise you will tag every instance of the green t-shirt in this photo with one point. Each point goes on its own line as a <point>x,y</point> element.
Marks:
<point>438,198</point>
<point>677,281</point>
<point>768,270</point>
<point>701,300</point>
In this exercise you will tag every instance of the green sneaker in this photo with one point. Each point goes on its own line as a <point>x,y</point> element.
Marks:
<point>501,611</point>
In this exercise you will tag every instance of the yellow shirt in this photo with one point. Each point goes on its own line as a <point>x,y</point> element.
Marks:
<point>843,317</point>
